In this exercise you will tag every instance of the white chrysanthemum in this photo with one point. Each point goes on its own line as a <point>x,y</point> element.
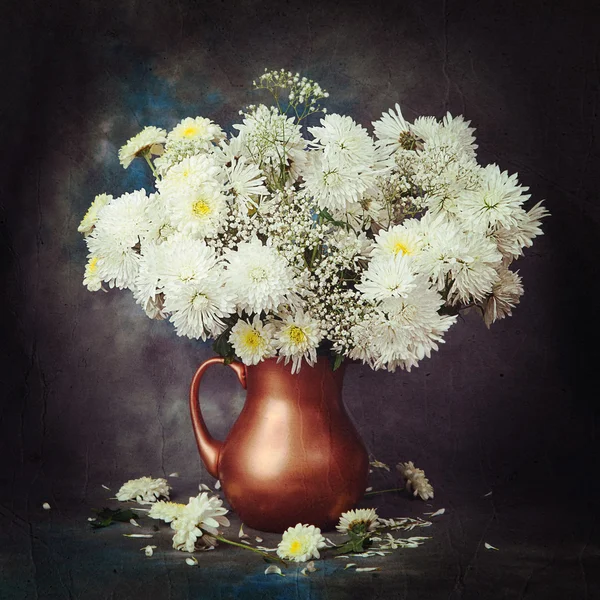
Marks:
<point>426,128</point>
<point>301,543</point>
<point>402,331</point>
<point>258,277</point>
<point>118,230</point>
<point>141,143</point>
<point>344,142</point>
<point>166,511</point>
<point>91,216</point>
<point>144,490</point>
<point>183,260</point>
<point>91,279</point>
<point>335,186</point>
<point>198,129</point>
<point>506,294</point>
<point>252,342</point>
<point>191,173</point>
<point>387,277</point>
<point>512,240</point>
<point>229,151</point>
<point>400,239</point>
<point>456,132</point>
<point>392,130</point>
<point>297,338</point>
<point>359,521</point>
<point>201,514</point>
<point>148,285</point>
<point>159,225</point>
<point>451,255</point>
<point>495,203</point>
<point>201,212</point>
<point>246,182</point>
<point>197,309</point>
<point>415,480</point>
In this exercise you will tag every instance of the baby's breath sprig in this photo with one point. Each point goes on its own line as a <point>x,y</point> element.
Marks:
<point>292,93</point>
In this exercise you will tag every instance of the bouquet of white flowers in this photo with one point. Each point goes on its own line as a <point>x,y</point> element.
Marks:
<point>292,241</point>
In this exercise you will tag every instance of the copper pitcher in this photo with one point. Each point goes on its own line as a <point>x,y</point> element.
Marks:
<point>293,455</point>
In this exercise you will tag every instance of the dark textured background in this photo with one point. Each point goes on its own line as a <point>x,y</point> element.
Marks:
<point>95,393</point>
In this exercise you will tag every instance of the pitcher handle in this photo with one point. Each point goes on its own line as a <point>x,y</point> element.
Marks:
<point>208,447</point>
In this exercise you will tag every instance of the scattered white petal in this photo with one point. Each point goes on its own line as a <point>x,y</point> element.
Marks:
<point>366,569</point>
<point>490,547</point>
<point>192,561</point>
<point>488,494</point>
<point>350,565</point>
<point>310,566</point>
<point>138,535</point>
<point>241,534</point>
<point>437,513</point>
<point>369,489</point>
<point>273,570</point>
<point>259,540</point>
<point>148,550</point>
<point>207,549</point>
<point>342,556</point>
<point>46,506</point>
<point>105,487</point>
<point>330,542</point>
<point>370,470</point>
<point>266,549</point>
<point>218,485</point>
<point>204,488</point>
<point>246,542</point>
<point>134,523</point>
<point>142,509</point>
<point>379,465</point>
<point>174,474</point>
<point>91,519</point>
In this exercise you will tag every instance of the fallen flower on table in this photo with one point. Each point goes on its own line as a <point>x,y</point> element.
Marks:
<point>301,543</point>
<point>359,521</point>
<point>415,480</point>
<point>144,490</point>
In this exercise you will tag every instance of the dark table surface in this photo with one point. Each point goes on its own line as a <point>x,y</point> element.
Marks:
<point>545,551</point>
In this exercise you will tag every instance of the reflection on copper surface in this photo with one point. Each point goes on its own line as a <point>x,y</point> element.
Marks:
<point>293,455</point>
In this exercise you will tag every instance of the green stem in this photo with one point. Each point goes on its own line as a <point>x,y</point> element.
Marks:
<point>383,491</point>
<point>269,556</point>
<point>146,155</point>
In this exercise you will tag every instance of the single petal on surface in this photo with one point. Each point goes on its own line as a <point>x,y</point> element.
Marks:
<point>273,570</point>
<point>490,547</point>
<point>192,561</point>
<point>367,569</point>
<point>46,506</point>
<point>437,513</point>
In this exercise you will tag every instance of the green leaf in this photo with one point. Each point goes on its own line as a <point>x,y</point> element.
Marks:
<point>338,359</point>
<point>222,347</point>
<point>108,516</point>
<point>354,545</point>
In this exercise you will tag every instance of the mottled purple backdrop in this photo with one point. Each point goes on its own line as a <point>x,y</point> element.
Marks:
<point>95,392</point>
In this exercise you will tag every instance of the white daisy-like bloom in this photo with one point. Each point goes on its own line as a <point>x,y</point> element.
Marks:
<point>184,260</point>
<point>415,480</point>
<point>388,276</point>
<point>159,225</point>
<point>392,130</point>
<point>148,285</point>
<point>335,186</point>
<point>91,216</point>
<point>166,511</point>
<point>141,143</point>
<point>197,309</point>
<point>344,142</point>
<point>190,173</point>
<point>246,182</point>
<point>228,151</point>
<point>297,338</point>
<point>144,490</point>
<point>426,128</point>
<point>200,212</point>
<point>258,277</point>
<point>301,543</point>
<point>201,515</point>
<point>359,521</point>
<point>495,203</point>
<point>457,131</point>
<point>198,129</point>
<point>506,294</point>
<point>399,239</point>
<point>252,341</point>
<point>91,279</point>
<point>118,230</point>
